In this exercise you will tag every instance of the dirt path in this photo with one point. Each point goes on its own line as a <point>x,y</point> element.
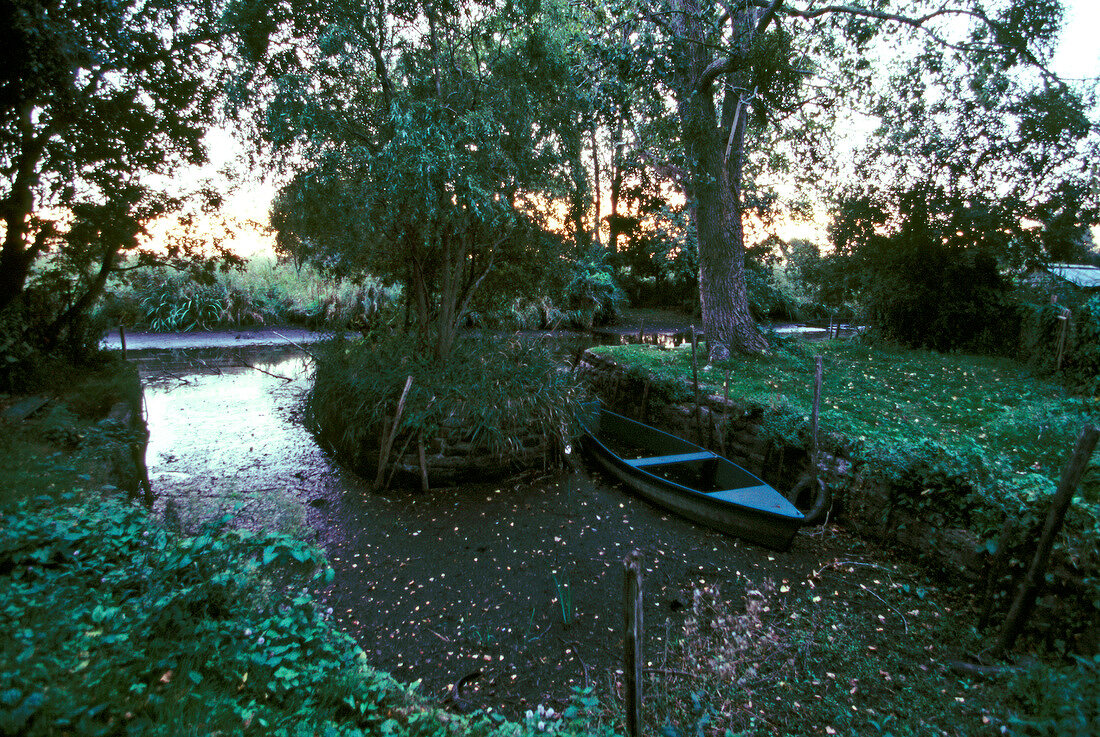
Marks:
<point>278,336</point>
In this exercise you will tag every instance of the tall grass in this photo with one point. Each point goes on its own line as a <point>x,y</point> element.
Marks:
<point>263,292</point>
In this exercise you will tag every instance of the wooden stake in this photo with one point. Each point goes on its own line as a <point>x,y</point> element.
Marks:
<point>641,332</point>
<point>1036,573</point>
<point>726,410</point>
<point>695,383</point>
<point>423,464</point>
<point>387,443</point>
<point>122,340</point>
<point>645,399</point>
<point>819,374</point>
<point>1064,317</point>
<point>632,650</point>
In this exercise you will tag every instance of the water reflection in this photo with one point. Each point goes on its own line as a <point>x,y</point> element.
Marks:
<point>225,435</point>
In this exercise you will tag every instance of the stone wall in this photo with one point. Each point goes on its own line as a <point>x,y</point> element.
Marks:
<point>738,432</point>
<point>451,456</point>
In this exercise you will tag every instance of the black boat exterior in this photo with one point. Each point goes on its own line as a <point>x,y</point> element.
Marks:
<point>690,480</point>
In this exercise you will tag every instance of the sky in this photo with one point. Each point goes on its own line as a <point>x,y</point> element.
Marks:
<point>1077,58</point>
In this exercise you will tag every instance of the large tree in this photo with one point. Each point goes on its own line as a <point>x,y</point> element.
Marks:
<point>737,68</point>
<point>96,100</point>
<point>423,140</point>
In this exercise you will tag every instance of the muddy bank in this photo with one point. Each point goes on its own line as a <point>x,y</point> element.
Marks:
<point>516,586</point>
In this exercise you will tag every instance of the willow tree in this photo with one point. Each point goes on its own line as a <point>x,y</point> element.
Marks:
<point>421,138</point>
<point>735,69</point>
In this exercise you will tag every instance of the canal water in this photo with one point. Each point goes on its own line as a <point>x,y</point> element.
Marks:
<point>513,588</point>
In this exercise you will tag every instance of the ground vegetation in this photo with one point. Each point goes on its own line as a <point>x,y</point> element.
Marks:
<point>373,397</point>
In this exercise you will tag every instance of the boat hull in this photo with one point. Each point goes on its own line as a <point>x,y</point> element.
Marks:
<point>686,479</point>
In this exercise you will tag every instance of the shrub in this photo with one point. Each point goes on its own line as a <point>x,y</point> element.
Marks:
<point>591,296</point>
<point>117,624</point>
<point>1059,701</point>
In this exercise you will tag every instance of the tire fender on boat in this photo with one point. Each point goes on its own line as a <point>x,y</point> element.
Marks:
<point>822,499</point>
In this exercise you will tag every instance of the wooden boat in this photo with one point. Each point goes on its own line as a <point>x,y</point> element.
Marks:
<point>689,480</point>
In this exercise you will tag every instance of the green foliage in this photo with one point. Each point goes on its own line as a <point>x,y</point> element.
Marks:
<point>1059,701</point>
<point>101,107</point>
<point>935,282</point>
<point>447,171</point>
<point>592,296</point>
<point>491,393</point>
<point>262,292</point>
<point>1045,328</point>
<point>117,622</point>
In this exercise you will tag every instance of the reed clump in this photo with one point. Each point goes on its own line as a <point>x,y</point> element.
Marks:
<point>506,402</point>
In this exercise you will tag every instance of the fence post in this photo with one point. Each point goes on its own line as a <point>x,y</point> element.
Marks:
<point>819,374</point>
<point>1064,317</point>
<point>695,383</point>
<point>1036,572</point>
<point>632,641</point>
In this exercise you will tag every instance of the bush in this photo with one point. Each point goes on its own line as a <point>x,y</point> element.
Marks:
<point>1059,701</point>
<point>494,393</point>
<point>591,296</point>
<point>1042,332</point>
<point>117,624</point>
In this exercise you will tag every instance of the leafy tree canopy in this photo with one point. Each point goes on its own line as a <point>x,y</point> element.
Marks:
<point>97,99</point>
<point>424,141</point>
<point>961,93</point>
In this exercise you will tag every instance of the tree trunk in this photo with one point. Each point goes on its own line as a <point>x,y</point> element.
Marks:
<point>714,185</point>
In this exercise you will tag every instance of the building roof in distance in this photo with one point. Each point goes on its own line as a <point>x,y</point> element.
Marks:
<point>1081,275</point>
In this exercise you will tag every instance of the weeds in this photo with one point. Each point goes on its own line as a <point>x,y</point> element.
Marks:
<point>565,598</point>
<point>264,292</point>
<point>829,656</point>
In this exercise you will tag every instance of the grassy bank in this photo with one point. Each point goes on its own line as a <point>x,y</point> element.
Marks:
<point>1012,430</point>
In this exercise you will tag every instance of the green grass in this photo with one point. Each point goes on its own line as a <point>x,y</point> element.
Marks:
<point>855,649</point>
<point>890,397</point>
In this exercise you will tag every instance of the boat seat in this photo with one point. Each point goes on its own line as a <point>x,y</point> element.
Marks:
<point>675,458</point>
<point>761,497</point>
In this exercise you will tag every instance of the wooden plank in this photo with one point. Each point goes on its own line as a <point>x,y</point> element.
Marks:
<point>670,459</point>
<point>25,408</point>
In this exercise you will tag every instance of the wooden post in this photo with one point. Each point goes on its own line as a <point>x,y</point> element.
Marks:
<point>632,650</point>
<point>122,340</point>
<point>641,332</point>
<point>1064,317</point>
<point>1036,573</point>
<point>387,441</point>
<point>645,399</point>
<point>424,485</point>
<point>819,374</point>
<point>726,410</point>
<point>695,383</point>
